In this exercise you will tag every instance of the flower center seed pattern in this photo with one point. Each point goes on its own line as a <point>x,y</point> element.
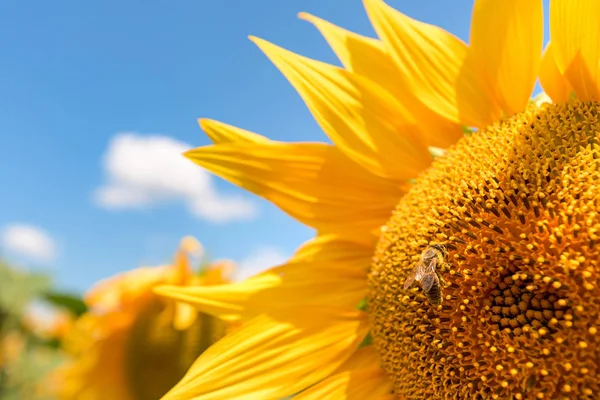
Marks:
<point>517,207</point>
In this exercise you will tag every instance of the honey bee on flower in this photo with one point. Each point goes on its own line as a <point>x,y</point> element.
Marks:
<point>427,273</point>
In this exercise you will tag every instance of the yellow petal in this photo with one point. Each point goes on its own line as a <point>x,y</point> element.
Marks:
<point>506,47</point>
<point>576,44</point>
<point>329,284</point>
<point>324,260</point>
<point>292,284</point>
<point>433,65</point>
<point>112,292</point>
<point>191,245</point>
<point>227,302</point>
<point>364,121</point>
<point>313,182</point>
<point>337,250</point>
<point>185,316</point>
<point>274,356</point>
<point>350,385</point>
<point>359,54</point>
<point>220,132</point>
<point>217,273</point>
<point>364,358</point>
<point>367,57</point>
<point>553,82</point>
<point>188,246</point>
<point>359,378</point>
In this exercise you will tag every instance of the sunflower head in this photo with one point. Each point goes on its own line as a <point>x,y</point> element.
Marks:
<point>516,205</point>
<point>133,344</point>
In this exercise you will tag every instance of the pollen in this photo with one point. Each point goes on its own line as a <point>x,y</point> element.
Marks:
<point>517,206</point>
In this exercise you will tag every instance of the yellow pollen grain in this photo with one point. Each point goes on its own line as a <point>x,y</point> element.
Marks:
<point>583,344</point>
<point>545,351</point>
<point>574,263</point>
<point>556,284</point>
<point>592,330</point>
<point>566,388</point>
<point>586,274</point>
<point>562,302</point>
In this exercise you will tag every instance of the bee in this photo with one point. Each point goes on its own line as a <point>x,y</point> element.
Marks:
<point>425,272</point>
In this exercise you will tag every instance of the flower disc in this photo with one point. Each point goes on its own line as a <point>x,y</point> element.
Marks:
<point>516,205</point>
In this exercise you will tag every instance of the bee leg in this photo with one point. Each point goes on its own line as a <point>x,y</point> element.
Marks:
<point>443,283</point>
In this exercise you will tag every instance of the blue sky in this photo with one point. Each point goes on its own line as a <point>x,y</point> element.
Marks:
<point>74,75</point>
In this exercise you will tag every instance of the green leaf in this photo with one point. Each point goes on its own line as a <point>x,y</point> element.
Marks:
<point>367,341</point>
<point>68,301</point>
<point>467,130</point>
<point>362,306</point>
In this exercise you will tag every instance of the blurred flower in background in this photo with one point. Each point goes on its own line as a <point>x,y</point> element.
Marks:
<point>133,344</point>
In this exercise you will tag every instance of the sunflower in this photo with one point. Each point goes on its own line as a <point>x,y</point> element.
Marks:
<point>133,344</point>
<point>436,145</point>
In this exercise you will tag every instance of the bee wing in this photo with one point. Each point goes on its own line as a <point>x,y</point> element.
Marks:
<point>430,277</point>
<point>429,280</point>
<point>410,279</point>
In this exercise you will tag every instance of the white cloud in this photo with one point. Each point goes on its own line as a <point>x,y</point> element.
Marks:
<point>144,170</point>
<point>259,260</point>
<point>29,241</point>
